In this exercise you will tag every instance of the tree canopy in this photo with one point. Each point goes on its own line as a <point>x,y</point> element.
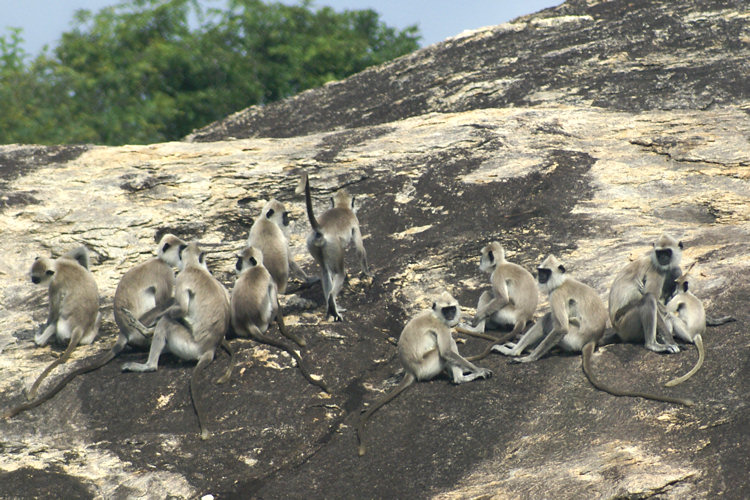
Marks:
<point>154,70</point>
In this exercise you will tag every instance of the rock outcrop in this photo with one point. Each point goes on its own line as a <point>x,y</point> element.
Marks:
<point>585,130</point>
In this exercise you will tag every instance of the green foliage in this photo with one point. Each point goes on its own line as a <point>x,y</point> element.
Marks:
<point>141,72</point>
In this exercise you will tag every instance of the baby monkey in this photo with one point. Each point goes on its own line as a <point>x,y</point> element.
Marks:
<point>426,349</point>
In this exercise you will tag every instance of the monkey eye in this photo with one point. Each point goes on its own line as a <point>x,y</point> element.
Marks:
<point>449,312</point>
<point>50,272</point>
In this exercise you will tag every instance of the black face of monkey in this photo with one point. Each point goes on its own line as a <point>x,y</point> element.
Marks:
<point>449,313</point>
<point>544,275</point>
<point>664,256</point>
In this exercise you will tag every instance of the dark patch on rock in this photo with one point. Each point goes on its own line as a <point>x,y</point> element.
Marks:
<point>51,482</point>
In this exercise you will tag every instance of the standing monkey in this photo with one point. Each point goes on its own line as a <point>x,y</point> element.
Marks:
<point>194,327</point>
<point>73,304</point>
<point>639,292</point>
<point>513,299</point>
<point>426,349</point>
<point>576,322</point>
<point>145,288</point>
<point>331,234</point>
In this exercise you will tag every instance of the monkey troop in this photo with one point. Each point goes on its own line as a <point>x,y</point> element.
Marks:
<point>191,314</point>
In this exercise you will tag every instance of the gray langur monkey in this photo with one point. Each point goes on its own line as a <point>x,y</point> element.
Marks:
<point>331,234</point>
<point>513,299</point>
<point>639,292</point>
<point>426,349</point>
<point>145,288</point>
<point>270,235</point>
<point>194,326</point>
<point>687,319</point>
<point>73,304</point>
<point>254,305</point>
<point>575,323</point>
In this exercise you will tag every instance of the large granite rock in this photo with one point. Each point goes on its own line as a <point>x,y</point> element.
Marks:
<point>585,130</point>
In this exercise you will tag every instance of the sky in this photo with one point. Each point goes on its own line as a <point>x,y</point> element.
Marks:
<point>43,21</point>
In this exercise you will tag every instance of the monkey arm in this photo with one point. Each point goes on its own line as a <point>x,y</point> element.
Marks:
<point>500,300</point>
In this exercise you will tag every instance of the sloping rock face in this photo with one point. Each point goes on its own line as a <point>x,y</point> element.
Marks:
<point>585,131</point>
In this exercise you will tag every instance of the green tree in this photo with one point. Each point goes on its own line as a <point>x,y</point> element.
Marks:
<point>142,71</point>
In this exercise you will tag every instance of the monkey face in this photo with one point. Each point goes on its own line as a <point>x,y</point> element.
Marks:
<point>446,308</point>
<point>41,271</point>
<point>543,275</point>
<point>664,256</point>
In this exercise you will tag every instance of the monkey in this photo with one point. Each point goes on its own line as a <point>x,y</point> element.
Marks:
<point>145,288</point>
<point>73,304</point>
<point>687,319</point>
<point>575,322</point>
<point>254,305</point>
<point>426,349</point>
<point>327,242</point>
<point>639,292</point>
<point>270,234</point>
<point>200,301</point>
<point>513,299</point>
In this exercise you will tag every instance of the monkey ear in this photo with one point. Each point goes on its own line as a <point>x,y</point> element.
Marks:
<point>36,258</point>
<point>332,203</point>
<point>238,265</point>
<point>165,247</point>
<point>253,261</point>
<point>201,257</point>
<point>679,244</point>
<point>269,214</point>
<point>561,268</point>
<point>353,197</point>
<point>434,306</point>
<point>684,286</point>
<point>182,249</point>
<point>491,256</point>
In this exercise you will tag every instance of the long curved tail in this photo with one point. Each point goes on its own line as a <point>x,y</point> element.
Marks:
<point>94,365</point>
<point>300,364</point>
<point>719,321</point>
<point>698,340</point>
<point>228,373</point>
<point>588,351</point>
<point>406,382</point>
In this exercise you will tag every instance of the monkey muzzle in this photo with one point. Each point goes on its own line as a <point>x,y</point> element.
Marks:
<point>36,280</point>
<point>544,275</point>
<point>664,256</point>
<point>449,313</point>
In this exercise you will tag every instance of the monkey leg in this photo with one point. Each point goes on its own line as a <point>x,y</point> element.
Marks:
<point>158,343</point>
<point>518,328</point>
<point>532,337</point>
<point>42,337</point>
<point>648,313</point>
<point>135,326</point>
<point>463,370</point>
<point>203,361</point>
<point>90,335</point>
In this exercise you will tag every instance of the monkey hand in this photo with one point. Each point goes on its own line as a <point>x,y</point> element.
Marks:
<point>522,359</point>
<point>507,349</point>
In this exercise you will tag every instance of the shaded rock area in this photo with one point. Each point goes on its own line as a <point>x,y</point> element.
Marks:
<point>585,131</point>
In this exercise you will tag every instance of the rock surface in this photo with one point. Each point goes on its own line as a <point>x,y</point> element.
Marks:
<point>585,130</point>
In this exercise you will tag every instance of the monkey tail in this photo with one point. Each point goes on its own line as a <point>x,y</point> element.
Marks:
<point>588,350</point>
<point>204,360</point>
<point>698,340</point>
<point>94,365</point>
<point>308,202</point>
<point>406,382</point>
<point>72,344</point>
<point>719,321</point>
<point>227,374</point>
<point>300,364</point>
